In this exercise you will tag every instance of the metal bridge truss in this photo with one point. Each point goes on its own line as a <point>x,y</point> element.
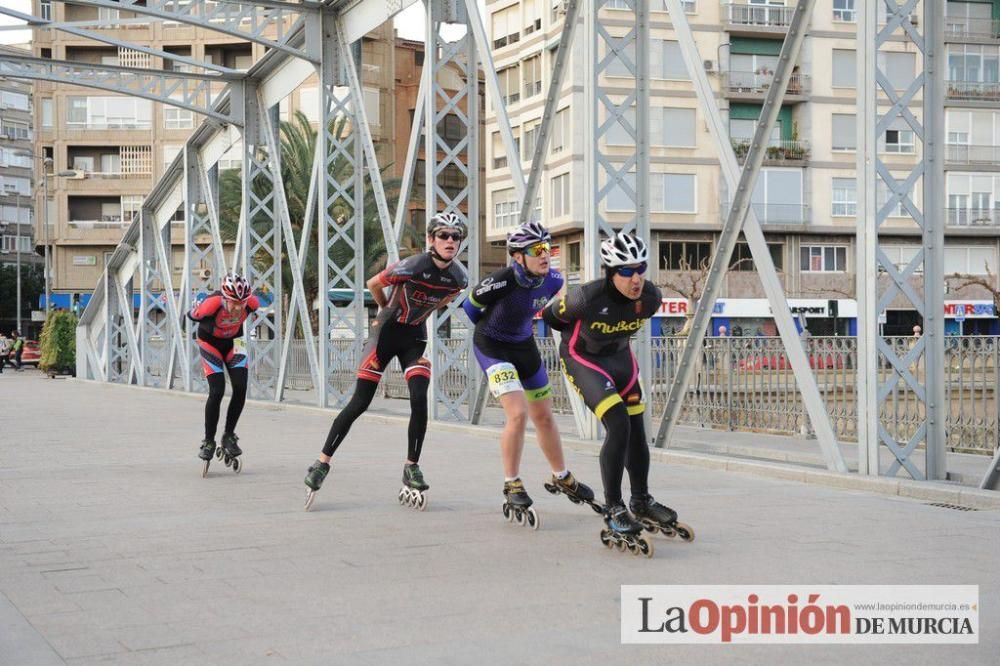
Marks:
<point>321,38</point>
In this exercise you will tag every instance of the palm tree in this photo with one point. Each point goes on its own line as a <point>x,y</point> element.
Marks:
<point>298,144</point>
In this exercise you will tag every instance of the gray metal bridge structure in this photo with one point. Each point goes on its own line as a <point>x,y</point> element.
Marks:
<point>322,39</point>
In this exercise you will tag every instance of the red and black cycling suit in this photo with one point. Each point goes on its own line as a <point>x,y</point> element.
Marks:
<point>217,329</point>
<point>418,288</point>
<point>597,321</point>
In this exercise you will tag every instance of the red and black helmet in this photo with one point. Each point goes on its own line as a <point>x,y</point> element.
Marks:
<point>235,287</point>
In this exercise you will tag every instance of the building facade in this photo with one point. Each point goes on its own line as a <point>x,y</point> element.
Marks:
<point>16,171</point>
<point>805,197</point>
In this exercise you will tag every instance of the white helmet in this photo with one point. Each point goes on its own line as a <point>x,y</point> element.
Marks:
<point>623,249</point>
<point>446,221</point>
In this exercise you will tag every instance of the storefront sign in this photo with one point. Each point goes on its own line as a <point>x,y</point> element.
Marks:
<point>84,260</point>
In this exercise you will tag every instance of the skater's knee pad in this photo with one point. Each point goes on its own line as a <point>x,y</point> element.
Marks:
<point>503,379</point>
<point>420,368</point>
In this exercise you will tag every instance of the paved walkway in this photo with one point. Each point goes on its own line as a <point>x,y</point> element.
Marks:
<point>114,549</point>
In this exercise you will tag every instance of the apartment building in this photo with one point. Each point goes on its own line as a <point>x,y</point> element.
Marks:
<point>805,197</point>
<point>108,150</point>
<point>16,170</point>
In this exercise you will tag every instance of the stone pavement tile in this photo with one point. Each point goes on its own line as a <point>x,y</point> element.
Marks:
<point>87,643</point>
<point>20,642</point>
<point>189,655</point>
<point>111,609</point>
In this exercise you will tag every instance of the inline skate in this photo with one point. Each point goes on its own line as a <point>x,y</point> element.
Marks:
<point>623,532</point>
<point>576,492</point>
<point>517,505</point>
<point>412,492</point>
<point>658,518</point>
<point>314,480</point>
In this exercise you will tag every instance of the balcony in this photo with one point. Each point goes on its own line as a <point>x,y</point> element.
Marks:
<point>966,29</point>
<point>783,214</point>
<point>754,85</point>
<point>960,153</point>
<point>777,151</point>
<point>972,91</point>
<point>974,218</point>
<point>756,19</point>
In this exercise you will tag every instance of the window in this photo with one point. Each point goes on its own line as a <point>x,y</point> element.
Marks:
<point>17,244</point>
<point>845,74</point>
<point>169,153</point>
<point>130,161</point>
<point>742,259</point>
<point>451,130</point>
<point>843,132</point>
<point>679,128</point>
<point>372,107</point>
<point>621,197</point>
<point>843,11</point>
<point>46,9</point>
<point>560,131</point>
<point>530,137</point>
<point>13,129</point>
<point>505,27</point>
<point>680,193</point>
<point>15,185</point>
<point>83,163</point>
<point>777,197</point>
<point>532,16</point>
<point>47,113</point>
<point>108,113</point>
<point>510,84</point>
<point>899,139</point>
<point>504,209</point>
<point>499,153</point>
<point>573,256</point>
<point>971,63</point>
<point>14,100</point>
<point>625,59</point>
<point>174,117</point>
<point>620,131</point>
<point>674,68</point>
<point>823,258</point>
<point>742,130</point>
<point>845,197</point>
<point>898,68</point>
<point>970,260</point>
<point>18,212</point>
<point>532,68</point>
<point>901,256</point>
<point>684,255</point>
<point>560,195</point>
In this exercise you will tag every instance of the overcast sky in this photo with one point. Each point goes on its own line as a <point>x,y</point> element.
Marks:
<point>409,24</point>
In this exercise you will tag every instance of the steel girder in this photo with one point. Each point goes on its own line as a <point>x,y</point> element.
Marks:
<point>181,89</point>
<point>247,20</point>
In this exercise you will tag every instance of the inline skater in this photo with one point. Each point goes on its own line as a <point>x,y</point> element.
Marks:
<point>420,284</point>
<point>502,307</point>
<point>597,320</point>
<point>220,319</point>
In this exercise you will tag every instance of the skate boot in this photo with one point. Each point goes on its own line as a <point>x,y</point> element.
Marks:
<point>578,493</point>
<point>656,517</point>
<point>517,505</point>
<point>314,480</point>
<point>623,532</point>
<point>205,453</point>
<point>231,452</point>
<point>412,492</point>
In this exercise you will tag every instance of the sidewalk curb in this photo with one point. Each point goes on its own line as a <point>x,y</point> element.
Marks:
<point>927,491</point>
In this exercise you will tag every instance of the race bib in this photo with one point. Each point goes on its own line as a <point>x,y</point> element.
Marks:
<point>239,346</point>
<point>503,378</point>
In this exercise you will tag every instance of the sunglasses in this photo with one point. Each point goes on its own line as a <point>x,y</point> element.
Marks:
<point>444,235</point>
<point>538,249</point>
<point>629,271</point>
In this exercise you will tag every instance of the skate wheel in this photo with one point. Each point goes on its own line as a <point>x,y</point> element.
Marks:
<point>574,500</point>
<point>218,453</point>
<point>237,465</point>
<point>597,508</point>
<point>310,496</point>
<point>684,531</point>
<point>551,488</point>
<point>519,516</point>
<point>633,548</point>
<point>621,545</point>
<point>204,469</point>
<point>421,502</point>
<point>534,522</point>
<point>606,539</point>
<point>645,547</point>
<point>507,513</point>
<point>402,496</point>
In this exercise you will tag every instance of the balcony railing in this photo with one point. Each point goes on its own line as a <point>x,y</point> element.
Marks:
<point>759,82</point>
<point>794,214</point>
<point>776,151</point>
<point>966,154</point>
<point>973,217</point>
<point>106,222</point>
<point>112,124</point>
<point>963,27</point>
<point>973,91</point>
<point>764,16</point>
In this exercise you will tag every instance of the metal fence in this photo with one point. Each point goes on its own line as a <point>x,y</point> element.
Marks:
<point>747,384</point>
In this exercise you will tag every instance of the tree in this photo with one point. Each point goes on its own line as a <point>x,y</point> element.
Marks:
<point>689,282</point>
<point>298,144</point>
<point>32,286</point>
<point>58,342</point>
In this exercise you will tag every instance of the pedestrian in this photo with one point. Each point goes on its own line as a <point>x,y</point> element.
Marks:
<point>18,349</point>
<point>4,351</point>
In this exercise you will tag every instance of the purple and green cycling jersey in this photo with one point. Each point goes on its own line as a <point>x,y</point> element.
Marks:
<point>503,308</point>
